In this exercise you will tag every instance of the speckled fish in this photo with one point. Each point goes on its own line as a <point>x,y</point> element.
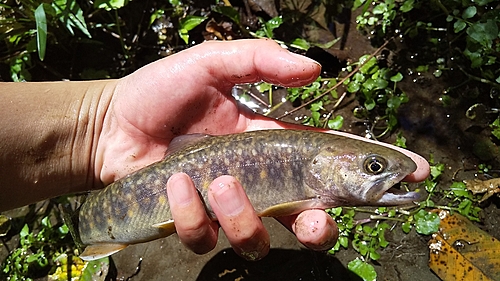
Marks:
<point>283,172</point>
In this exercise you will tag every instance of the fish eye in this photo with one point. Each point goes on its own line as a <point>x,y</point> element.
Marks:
<point>375,164</point>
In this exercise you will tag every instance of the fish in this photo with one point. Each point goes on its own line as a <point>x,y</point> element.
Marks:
<point>283,172</point>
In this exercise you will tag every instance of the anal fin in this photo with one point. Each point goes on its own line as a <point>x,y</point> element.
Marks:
<point>97,251</point>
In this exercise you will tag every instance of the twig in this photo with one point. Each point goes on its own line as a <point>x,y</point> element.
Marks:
<point>335,106</point>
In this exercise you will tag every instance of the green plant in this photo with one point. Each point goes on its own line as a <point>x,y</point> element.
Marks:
<point>460,198</point>
<point>380,15</point>
<point>27,29</point>
<point>322,93</point>
<point>37,251</point>
<point>368,240</point>
<point>376,89</point>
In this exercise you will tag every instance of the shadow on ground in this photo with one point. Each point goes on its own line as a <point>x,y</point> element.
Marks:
<point>280,264</point>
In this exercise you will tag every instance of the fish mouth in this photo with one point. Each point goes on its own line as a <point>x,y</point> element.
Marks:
<point>395,196</point>
<point>385,192</point>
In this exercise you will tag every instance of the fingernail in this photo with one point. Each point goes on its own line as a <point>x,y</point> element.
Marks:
<point>180,190</point>
<point>304,58</point>
<point>258,252</point>
<point>229,199</point>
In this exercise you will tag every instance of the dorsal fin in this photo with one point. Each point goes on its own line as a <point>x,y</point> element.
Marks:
<point>179,142</point>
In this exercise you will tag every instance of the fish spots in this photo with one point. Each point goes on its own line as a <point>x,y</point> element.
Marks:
<point>263,174</point>
<point>205,184</point>
<point>140,182</point>
<point>129,197</point>
<point>162,200</point>
<point>130,213</point>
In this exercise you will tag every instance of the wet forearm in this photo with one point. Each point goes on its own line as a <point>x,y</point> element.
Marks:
<point>48,136</point>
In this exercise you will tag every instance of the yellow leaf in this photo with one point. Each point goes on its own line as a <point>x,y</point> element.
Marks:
<point>461,251</point>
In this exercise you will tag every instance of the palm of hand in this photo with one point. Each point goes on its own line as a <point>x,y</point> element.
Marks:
<point>190,93</point>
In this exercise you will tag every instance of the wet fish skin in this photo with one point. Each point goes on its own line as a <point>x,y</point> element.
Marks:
<point>283,172</point>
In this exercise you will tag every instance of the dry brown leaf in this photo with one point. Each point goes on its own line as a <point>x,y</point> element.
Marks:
<point>488,187</point>
<point>462,251</point>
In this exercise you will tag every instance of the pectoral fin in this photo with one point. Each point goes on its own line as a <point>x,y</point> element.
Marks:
<point>97,251</point>
<point>167,227</point>
<point>290,208</point>
<point>182,141</point>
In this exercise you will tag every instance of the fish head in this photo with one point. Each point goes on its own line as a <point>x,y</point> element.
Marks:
<point>353,172</point>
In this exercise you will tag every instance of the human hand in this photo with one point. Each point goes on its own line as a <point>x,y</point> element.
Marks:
<point>190,93</point>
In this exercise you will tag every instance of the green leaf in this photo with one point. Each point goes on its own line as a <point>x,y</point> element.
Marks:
<point>358,3</point>
<point>344,241</point>
<point>353,86</point>
<point>317,106</point>
<point>274,23</point>
<point>459,25</point>
<point>271,25</point>
<point>18,67</point>
<point>396,78</point>
<point>263,87</point>
<point>293,94</point>
<point>229,12</point>
<point>336,211</point>
<point>362,269</point>
<point>374,255</point>
<point>70,14</point>
<point>370,66</point>
<point>496,132</point>
<point>63,230</point>
<point>301,44</point>
<point>188,23</point>
<point>336,123</point>
<point>109,5</point>
<point>475,57</point>
<point>46,222</point>
<point>24,231</point>
<point>379,9</point>
<point>469,12</point>
<point>406,227</point>
<point>96,270</point>
<point>484,32</point>
<point>426,223</point>
<point>393,102</point>
<point>41,31</point>
<point>370,104</point>
<point>460,190</point>
<point>328,44</point>
<point>407,6</point>
<point>400,140</point>
<point>437,170</point>
<point>422,68</point>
